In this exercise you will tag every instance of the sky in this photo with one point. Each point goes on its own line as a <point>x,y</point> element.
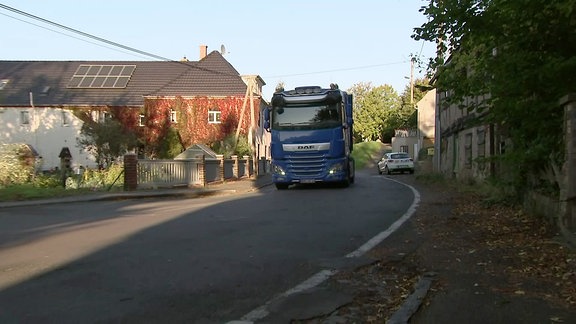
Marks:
<point>297,42</point>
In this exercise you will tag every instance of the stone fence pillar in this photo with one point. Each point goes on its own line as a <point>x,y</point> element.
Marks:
<point>202,169</point>
<point>220,158</point>
<point>568,199</point>
<point>247,165</point>
<point>236,167</point>
<point>130,172</point>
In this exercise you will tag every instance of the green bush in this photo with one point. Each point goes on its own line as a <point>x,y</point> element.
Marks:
<point>228,147</point>
<point>16,164</point>
<point>171,146</point>
<point>98,179</point>
<point>47,181</point>
<point>365,153</point>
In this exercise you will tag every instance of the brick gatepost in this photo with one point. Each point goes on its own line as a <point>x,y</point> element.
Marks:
<point>130,172</point>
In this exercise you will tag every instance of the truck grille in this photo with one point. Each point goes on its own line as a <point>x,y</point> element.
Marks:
<point>306,166</point>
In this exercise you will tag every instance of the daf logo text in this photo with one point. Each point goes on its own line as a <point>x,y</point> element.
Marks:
<point>305,147</point>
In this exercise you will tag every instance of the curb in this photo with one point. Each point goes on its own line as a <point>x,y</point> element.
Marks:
<point>412,302</point>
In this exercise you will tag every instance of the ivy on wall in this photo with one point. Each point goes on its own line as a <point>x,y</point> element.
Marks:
<point>192,119</point>
<point>191,124</point>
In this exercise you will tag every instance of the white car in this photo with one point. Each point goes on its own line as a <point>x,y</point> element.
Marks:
<point>395,162</point>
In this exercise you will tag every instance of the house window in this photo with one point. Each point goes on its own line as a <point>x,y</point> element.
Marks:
<point>404,148</point>
<point>468,150</point>
<point>214,116</point>
<point>481,138</point>
<point>100,116</point>
<point>25,117</point>
<point>65,119</point>
<point>141,120</point>
<point>481,142</point>
<point>173,116</point>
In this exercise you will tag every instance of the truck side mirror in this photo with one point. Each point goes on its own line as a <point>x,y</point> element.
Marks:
<point>267,119</point>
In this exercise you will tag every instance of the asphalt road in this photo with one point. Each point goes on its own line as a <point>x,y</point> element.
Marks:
<point>205,260</point>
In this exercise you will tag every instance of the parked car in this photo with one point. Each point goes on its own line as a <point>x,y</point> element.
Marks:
<point>395,162</point>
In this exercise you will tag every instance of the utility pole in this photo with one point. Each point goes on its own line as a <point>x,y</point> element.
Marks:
<point>250,89</point>
<point>412,82</point>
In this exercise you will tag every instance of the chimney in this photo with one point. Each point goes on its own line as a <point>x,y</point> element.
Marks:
<point>203,51</point>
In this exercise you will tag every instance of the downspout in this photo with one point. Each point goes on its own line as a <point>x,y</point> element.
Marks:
<point>437,135</point>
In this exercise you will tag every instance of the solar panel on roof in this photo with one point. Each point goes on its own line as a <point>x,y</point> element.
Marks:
<point>101,76</point>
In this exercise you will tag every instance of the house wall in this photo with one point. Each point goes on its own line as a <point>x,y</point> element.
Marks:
<point>48,131</point>
<point>464,144</point>
<point>406,138</point>
<point>192,120</point>
<point>426,120</point>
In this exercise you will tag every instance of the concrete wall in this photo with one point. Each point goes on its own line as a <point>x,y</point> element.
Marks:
<point>426,119</point>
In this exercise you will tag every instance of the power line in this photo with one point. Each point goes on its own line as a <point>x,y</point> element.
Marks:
<point>68,35</point>
<point>100,39</point>
<point>336,70</point>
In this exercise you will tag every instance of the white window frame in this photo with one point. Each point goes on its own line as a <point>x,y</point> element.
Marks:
<point>173,116</point>
<point>141,120</point>
<point>214,116</point>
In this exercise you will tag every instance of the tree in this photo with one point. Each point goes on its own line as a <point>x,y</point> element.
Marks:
<point>106,140</point>
<point>170,146</point>
<point>376,111</point>
<point>408,112</point>
<point>520,54</point>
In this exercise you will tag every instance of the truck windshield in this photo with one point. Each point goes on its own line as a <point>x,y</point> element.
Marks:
<point>306,116</point>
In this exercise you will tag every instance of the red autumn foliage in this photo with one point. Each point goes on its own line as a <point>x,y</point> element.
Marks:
<point>191,120</point>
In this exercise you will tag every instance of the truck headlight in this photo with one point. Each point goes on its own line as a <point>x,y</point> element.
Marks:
<point>278,170</point>
<point>336,168</point>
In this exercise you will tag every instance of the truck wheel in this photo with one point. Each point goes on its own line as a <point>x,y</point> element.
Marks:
<point>281,186</point>
<point>352,171</point>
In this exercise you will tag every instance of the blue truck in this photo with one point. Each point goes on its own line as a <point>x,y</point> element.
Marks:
<point>311,136</point>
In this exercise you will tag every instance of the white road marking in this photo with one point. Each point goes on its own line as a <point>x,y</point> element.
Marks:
<point>318,278</point>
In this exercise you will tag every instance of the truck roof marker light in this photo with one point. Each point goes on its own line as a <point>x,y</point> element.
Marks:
<point>307,90</point>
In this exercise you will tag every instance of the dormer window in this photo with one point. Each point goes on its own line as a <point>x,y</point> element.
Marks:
<point>3,83</point>
<point>45,91</point>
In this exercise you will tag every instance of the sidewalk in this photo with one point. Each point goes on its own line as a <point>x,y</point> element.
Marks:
<point>458,260</point>
<point>230,186</point>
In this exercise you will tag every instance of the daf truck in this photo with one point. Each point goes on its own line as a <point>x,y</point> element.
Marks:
<point>311,136</point>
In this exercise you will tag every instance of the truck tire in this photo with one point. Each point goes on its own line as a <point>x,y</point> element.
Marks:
<point>281,186</point>
<point>352,171</point>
